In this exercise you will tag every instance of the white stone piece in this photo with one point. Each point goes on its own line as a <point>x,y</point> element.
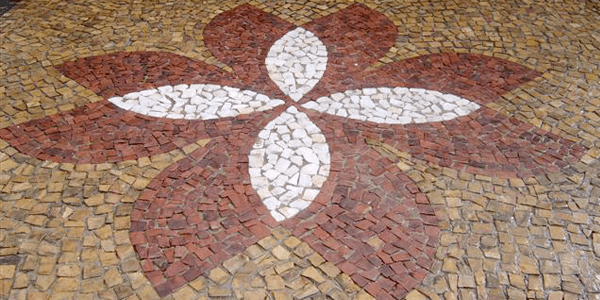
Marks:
<point>296,62</point>
<point>288,173</point>
<point>195,102</point>
<point>394,106</point>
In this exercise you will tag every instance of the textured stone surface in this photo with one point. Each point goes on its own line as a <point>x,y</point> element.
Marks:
<point>394,106</point>
<point>296,62</point>
<point>514,186</point>
<point>289,163</point>
<point>196,101</point>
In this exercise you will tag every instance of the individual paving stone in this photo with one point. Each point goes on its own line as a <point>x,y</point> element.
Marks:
<point>112,277</point>
<point>7,271</point>
<point>394,106</point>
<point>280,253</point>
<point>274,282</point>
<point>215,291</point>
<point>415,295</point>
<point>194,102</point>
<point>475,51</point>
<point>68,271</point>
<point>260,294</point>
<point>21,281</point>
<point>66,284</point>
<point>235,263</point>
<point>313,274</point>
<point>296,62</point>
<point>289,163</point>
<point>218,275</point>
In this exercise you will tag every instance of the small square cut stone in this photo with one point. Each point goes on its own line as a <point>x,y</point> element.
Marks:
<point>7,271</point>
<point>218,276</point>
<point>217,291</point>
<point>314,274</point>
<point>280,253</point>
<point>274,282</point>
<point>235,263</point>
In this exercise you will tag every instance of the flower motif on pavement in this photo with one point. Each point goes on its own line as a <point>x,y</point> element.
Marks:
<point>288,129</point>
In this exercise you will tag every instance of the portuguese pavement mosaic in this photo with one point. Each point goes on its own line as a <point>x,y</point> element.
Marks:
<point>330,150</point>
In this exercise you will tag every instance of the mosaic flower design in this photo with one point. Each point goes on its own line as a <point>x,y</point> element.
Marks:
<point>287,146</point>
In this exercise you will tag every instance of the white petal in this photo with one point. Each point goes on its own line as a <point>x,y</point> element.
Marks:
<point>394,106</point>
<point>195,102</point>
<point>293,183</point>
<point>296,62</point>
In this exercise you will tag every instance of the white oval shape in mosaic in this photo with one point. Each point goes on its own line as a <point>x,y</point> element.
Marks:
<point>195,102</point>
<point>289,163</point>
<point>394,105</point>
<point>296,62</point>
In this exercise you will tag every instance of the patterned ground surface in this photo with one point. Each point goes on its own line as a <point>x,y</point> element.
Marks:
<point>300,150</point>
<point>6,5</point>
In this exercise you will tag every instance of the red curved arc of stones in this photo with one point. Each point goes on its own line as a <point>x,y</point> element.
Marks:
<point>484,142</point>
<point>120,73</point>
<point>369,219</point>
<point>241,38</point>
<point>203,210</point>
<point>101,132</point>
<point>479,78</point>
<point>476,77</point>
<point>355,37</point>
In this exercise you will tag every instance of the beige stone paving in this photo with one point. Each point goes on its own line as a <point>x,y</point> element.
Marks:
<point>516,238</point>
<point>64,227</point>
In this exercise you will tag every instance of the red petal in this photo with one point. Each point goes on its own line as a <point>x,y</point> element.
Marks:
<point>479,78</point>
<point>101,132</point>
<point>484,142</point>
<point>123,72</point>
<point>201,210</point>
<point>370,220</point>
<point>355,38</point>
<point>475,77</point>
<point>241,38</point>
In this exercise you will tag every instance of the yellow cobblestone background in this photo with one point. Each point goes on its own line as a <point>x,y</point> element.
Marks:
<point>64,228</point>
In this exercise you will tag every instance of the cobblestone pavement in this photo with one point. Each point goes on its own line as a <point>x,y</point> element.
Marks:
<point>300,150</point>
<point>6,5</point>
